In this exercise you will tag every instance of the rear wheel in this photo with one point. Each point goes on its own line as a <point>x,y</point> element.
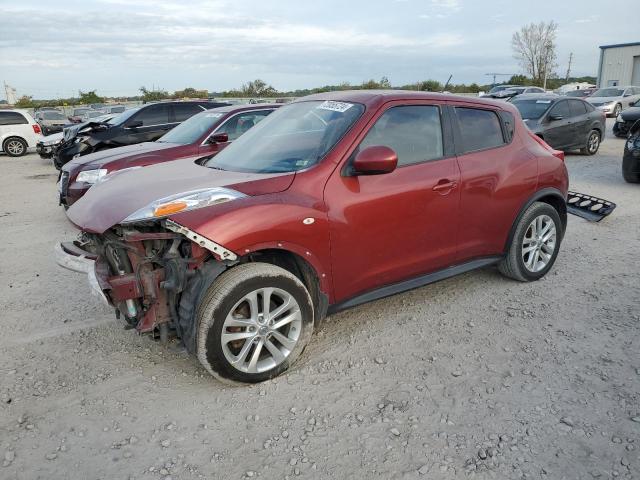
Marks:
<point>253,323</point>
<point>14,147</point>
<point>535,244</point>
<point>593,143</point>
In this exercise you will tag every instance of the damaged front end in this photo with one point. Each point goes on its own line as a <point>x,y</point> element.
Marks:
<point>143,270</point>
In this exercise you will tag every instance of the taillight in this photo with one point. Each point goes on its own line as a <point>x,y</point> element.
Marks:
<point>556,153</point>
<point>36,128</point>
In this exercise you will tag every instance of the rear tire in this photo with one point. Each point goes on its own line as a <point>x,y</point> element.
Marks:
<point>241,336</point>
<point>535,244</point>
<point>593,143</point>
<point>14,147</point>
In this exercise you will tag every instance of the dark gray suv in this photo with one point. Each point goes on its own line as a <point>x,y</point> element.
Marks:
<point>564,123</point>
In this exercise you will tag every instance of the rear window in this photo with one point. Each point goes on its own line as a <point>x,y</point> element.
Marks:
<point>480,129</point>
<point>577,107</point>
<point>532,109</point>
<point>12,118</point>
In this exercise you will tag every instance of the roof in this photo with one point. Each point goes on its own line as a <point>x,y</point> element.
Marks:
<point>618,45</point>
<point>371,97</point>
<point>244,107</point>
<point>545,96</point>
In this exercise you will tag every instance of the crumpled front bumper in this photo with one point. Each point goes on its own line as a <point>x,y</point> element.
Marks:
<point>72,257</point>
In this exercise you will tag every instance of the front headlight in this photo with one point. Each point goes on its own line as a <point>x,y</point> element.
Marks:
<point>91,176</point>
<point>183,202</point>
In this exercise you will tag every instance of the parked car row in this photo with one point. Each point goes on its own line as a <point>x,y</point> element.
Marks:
<point>330,201</point>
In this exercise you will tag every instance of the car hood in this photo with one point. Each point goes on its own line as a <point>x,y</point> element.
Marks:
<point>109,202</point>
<point>97,159</point>
<point>631,114</point>
<point>601,99</point>
<point>51,139</point>
<point>72,131</point>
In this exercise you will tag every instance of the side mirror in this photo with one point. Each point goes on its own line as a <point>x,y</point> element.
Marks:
<point>375,160</point>
<point>133,124</point>
<point>221,137</point>
<point>554,118</point>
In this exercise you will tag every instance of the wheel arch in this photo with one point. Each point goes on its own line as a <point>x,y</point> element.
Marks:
<point>11,136</point>
<point>551,196</point>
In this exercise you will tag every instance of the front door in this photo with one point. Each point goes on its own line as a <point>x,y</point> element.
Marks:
<point>559,130</point>
<point>391,227</point>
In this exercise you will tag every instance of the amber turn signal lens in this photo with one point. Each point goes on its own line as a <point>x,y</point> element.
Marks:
<point>169,208</point>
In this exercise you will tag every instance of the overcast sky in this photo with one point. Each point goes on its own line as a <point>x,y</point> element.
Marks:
<point>53,48</point>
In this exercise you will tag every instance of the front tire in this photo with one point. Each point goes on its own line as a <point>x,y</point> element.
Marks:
<point>14,147</point>
<point>628,165</point>
<point>617,110</point>
<point>253,323</point>
<point>535,244</point>
<point>593,143</point>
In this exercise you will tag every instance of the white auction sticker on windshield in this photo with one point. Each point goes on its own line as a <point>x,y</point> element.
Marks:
<point>335,106</point>
<point>213,115</point>
<point>543,101</point>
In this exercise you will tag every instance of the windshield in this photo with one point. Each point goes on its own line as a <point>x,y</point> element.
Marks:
<point>293,138</point>
<point>53,116</point>
<point>577,93</point>
<point>193,128</point>
<point>123,117</point>
<point>608,92</point>
<point>80,111</point>
<point>532,109</point>
<point>499,88</point>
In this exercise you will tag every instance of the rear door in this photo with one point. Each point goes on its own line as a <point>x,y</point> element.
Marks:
<point>395,226</point>
<point>581,122</point>
<point>497,176</point>
<point>559,131</point>
<point>155,123</point>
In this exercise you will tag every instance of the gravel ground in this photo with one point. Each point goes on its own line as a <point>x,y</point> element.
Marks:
<point>476,376</point>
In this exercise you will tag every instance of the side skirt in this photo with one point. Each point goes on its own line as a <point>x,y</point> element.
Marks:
<point>412,283</point>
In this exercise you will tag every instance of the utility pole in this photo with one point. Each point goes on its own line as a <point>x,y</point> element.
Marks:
<point>569,67</point>
<point>547,49</point>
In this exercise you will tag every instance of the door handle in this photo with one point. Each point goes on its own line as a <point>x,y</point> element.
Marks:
<point>445,186</point>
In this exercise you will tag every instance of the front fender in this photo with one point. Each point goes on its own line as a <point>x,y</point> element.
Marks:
<point>271,224</point>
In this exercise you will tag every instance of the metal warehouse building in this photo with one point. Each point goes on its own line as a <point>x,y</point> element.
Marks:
<point>619,65</point>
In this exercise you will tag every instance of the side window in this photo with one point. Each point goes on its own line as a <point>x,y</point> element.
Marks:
<point>413,132</point>
<point>561,109</point>
<point>480,129</point>
<point>239,124</point>
<point>153,115</point>
<point>577,108</point>
<point>509,125</point>
<point>12,118</point>
<point>182,111</point>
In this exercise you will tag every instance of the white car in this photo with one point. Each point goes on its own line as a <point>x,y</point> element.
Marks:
<point>18,132</point>
<point>612,100</point>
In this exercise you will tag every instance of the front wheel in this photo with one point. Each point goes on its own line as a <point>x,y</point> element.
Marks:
<point>630,169</point>
<point>535,244</point>
<point>593,143</point>
<point>253,323</point>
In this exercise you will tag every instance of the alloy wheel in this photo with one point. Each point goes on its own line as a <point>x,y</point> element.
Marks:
<point>261,330</point>
<point>15,147</point>
<point>539,243</point>
<point>594,142</point>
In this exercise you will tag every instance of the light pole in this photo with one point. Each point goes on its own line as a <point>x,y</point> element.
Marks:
<point>547,49</point>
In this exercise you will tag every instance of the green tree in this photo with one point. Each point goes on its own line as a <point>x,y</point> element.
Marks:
<point>429,86</point>
<point>89,97</point>
<point>24,101</point>
<point>153,95</point>
<point>258,88</point>
<point>191,92</point>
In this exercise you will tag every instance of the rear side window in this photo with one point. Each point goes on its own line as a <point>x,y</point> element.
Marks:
<point>413,132</point>
<point>480,129</point>
<point>12,118</point>
<point>153,115</point>
<point>561,109</point>
<point>182,111</point>
<point>577,108</point>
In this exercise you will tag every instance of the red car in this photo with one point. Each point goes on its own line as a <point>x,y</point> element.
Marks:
<point>205,133</point>
<point>334,200</point>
